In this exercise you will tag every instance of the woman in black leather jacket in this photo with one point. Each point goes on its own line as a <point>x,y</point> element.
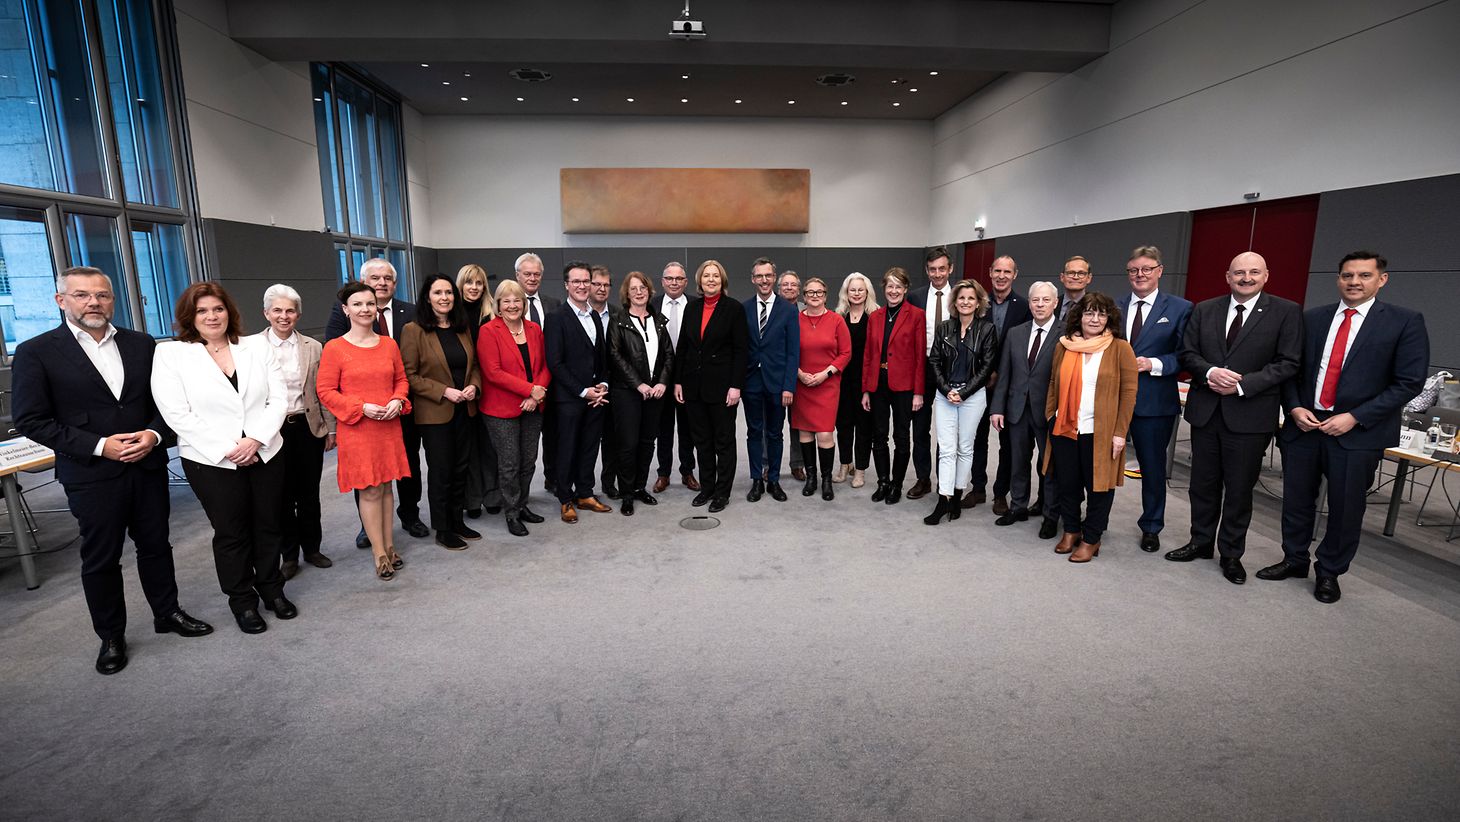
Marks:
<point>964,354</point>
<point>642,361</point>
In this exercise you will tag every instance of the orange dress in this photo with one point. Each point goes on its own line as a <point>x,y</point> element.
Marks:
<point>371,452</point>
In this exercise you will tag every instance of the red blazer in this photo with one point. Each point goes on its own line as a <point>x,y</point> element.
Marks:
<point>505,383</point>
<point>907,352</point>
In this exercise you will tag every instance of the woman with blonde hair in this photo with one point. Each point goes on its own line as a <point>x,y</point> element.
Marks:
<point>515,380</point>
<point>482,489</point>
<point>855,302</point>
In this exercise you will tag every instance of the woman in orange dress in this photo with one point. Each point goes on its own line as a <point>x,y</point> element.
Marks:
<point>826,350</point>
<point>363,383</point>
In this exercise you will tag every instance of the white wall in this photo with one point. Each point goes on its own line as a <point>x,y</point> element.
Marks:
<point>495,179</point>
<point>1199,102</point>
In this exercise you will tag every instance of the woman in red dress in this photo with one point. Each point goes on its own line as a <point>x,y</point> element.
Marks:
<point>826,348</point>
<point>363,383</point>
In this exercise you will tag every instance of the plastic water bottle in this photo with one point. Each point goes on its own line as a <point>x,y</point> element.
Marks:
<point>1432,437</point>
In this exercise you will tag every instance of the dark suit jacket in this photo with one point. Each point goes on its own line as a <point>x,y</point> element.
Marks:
<point>572,359</point>
<point>549,305</point>
<point>776,353</point>
<point>338,324</point>
<point>1161,334</point>
<point>62,402</point>
<point>1017,312</point>
<point>708,365</point>
<point>1267,353</point>
<point>1384,368</point>
<point>1020,390</point>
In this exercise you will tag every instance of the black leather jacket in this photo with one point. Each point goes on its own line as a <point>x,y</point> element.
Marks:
<point>982,340</point>
<point>630,359</point>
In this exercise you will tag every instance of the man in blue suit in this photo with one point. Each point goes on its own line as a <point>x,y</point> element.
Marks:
<point>770,379</point>
<point>576,340</point>
<point>1362,361</point>
<point>1154,324</point>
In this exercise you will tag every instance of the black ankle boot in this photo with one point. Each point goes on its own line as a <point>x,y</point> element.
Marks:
<point>955,509</point>
<point>882,490</point>
<point>826,492</point>
<point>894,492</point>
<point>938,511</point>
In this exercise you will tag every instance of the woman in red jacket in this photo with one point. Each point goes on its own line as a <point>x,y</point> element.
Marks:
<point>892,380</point>
<point>515,380</point>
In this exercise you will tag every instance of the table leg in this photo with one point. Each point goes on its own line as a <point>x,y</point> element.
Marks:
<point>1395,497</point>
<point>24,545</point>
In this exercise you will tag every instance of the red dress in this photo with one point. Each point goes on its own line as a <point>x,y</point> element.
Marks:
<point>371,452</point>
<point>825,340</point>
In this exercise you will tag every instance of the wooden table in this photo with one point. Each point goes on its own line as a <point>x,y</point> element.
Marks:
<point>1407,460</point>
<point>16,455</point>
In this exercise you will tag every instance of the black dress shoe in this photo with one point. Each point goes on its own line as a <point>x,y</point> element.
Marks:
<point>450,541</point>
<point>718,504</point>
<point>494,509</point>
<point>1234,572</point>
<point>645,497</point>
<point>362,541</point>
<point>757,490</point>
<point>880,493</point>
<point>1283,570</point>
<point>1190,551</point>
<point>113,656</point>
<point>178,622</point>
<point>516,528</point>
<point>527,516</point>
<point>417,529</point>
<point>465,532</point>
<point>473,513</point>
<point>1049,528</point>
<point>1151,543</point>
<point>610,490</point>
<point>1326,590</point>
<point>282,607</point>
<point>318,560</point>
<point>627,506</point>
<point>1037,509</point>
<point>1012,517</point>
<point>250,622</point>
<point>776,492</point>
<point>288,569</point>
<point>702,499</point>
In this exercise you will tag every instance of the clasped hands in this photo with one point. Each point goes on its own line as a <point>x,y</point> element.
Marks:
<point>459,395</point>
<point>652,392</point>
<point>1224,381</point>
<point>128,447</point>
<point>1335,426</point>
<point>389,411</point>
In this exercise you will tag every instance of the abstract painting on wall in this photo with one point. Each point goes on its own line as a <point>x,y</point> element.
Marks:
<point>686,200</point>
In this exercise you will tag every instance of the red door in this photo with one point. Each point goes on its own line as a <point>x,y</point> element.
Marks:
<point>1281,231</point>
<point>978,256</point>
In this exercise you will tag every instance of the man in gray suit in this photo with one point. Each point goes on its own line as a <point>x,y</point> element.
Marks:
<point>1018,405</point>
<point>1240,350</point>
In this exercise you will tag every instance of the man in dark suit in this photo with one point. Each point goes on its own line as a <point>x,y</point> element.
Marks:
<point>1240,350</point>
<point>380,275</point>
<point>1154,324</point>
<point>1362,361</point>
<point>576,339</point>
<point>671,303</point>
<point>1017,408</point>
<point>599,285</point>
<point>1075,277</point>
<point>528,271</point>
<point>84,391</point>
<point>774,329</point>
<point>935,300</point>
<point>1006,310</point>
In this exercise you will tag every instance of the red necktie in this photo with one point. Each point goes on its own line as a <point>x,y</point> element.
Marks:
<point>380,324</point>
<point>1138,322</point>
<point>1329,394</point>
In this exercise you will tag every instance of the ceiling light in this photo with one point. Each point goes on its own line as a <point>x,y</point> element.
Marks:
<point>468,74</point>
<point>445,82</point>
<point>684,99</point>
<point>932,74</point>
<point>519,99</point>
<point>895,105</point>
<point>913,90</point>
<point>575,99</point>
<point>737,102</point>
<point>896,80</point>
<point>844,102</point>
<point>463,99</point>
<point>425,65</point>
<point>790,102</point>
<point>319,99</point>
<point>684,76</point>
<point>630,99</point>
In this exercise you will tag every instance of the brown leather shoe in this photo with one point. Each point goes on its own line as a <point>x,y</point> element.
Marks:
<point>973,498</point>
<point>1001,506</point>
<point>920,489</point>
<point>570,515</point>
<point>660,484</point>
<point>1067,542</point>
<point>690,482</point>
<point>799,474</point>
<point>592,504</point>
<point>1085,552</point>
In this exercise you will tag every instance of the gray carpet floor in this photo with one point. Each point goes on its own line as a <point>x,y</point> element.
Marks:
<point>803,661</point>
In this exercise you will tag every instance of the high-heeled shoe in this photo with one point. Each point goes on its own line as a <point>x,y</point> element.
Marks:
<point>395,559</point>
<point>954,509</point>
<point>383,569</point>
<point>1067,542</point>
<point>938,511</point>
<point>1085,552</point>
<point>881,491</point>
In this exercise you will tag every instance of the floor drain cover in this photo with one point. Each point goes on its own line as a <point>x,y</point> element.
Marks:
<point>700,523</point>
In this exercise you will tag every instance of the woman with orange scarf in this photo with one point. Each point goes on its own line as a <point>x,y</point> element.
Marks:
<point>1092,394</point>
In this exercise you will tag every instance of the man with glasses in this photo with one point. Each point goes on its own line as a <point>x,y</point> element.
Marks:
<point>84,391</point>
<point>1075,277</point>
<point>577,356</point>
<point>1155,323</point>
<point>599,285</point>
<point>528,272</point>
<point>770,379</point>
<point>671,303</point>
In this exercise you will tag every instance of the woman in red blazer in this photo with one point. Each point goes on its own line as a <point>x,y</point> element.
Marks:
<point>515,380</point>
<point>892,380</point>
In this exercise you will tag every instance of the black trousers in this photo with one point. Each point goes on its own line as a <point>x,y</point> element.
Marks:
<point>299,522</point>
<point>672,413</point>
<point>550,443</point>
<point>448,450</point>
<point>1027,440</point>
<point>712,427</point>
<point>1074,468</point>
<point>636,427</point>
<point>483,488</point>
<point>580,431</point>
<point>922,428</point>
<point>243,506</point>
<point>853,426</point>
<point>897,405</point>
<point>408,489</point>
<point>1308,459</point>
<point>1225,466</point>
<point>608,474</point>
<point>981,459</point>
<point>134,503</point>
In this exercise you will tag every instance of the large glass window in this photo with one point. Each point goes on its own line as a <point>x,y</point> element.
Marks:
<point>27,276</point>
<point>93,241</point>
<point>139,109</point>
<point>162,271</point>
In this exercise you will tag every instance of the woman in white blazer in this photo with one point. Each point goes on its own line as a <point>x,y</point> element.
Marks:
<point>226,400</point>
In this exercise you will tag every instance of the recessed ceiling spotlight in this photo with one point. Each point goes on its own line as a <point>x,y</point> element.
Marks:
<point>684,76</point>
<point>319,99</point>
<point>630,99</point>
<point>445,82</point>
<point>425,65</point>
<point>575,99</point>
<point>896,80</point>
<point>737,102</point>
<point>932,74</point>
<point>467,74</point>
<point>519,99</point>
<point>844,102</point>
<point>790,102</point>
<point>895,105</point>
<point>463,99</point>
<point>684,99</point>
<point>913,90</point>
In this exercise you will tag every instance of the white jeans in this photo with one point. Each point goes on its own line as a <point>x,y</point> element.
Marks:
<point>956,426</point>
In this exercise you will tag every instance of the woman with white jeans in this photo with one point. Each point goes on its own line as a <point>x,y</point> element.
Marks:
<point>964,353</point>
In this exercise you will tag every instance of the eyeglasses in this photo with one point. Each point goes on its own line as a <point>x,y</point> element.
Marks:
<point>1145,269</point>
<point>674,279</point>
<point>85,296</point>
<point>762,276</point>
<point>578,282</point>
<point>814,293</point>
<point>1076,275</point>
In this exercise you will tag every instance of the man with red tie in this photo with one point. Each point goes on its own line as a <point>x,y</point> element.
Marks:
<point>1362,361</point>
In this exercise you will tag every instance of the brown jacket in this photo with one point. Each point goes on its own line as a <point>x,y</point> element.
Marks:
<point>1115,402</point>
<point>430,376</point>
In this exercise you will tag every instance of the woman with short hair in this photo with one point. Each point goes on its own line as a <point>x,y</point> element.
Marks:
<point>826,349</point>
<point>642,360</point>
<point>709,374</point>
<point>964,354</point>
<point>892,380</point>
<point>515,381</point>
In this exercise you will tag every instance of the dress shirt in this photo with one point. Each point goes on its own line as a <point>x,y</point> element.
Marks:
<point>674,310</point>
<point>534,309</point>
<point>1065,305</point>
<point>1034,329</point>
<point>1246,318</point>
<point>1130,317</point>
<point>1089,375</point>
<point>930,321</point>
<point>286,354</point>
<point>998,311</point>
<point>1353,333</point>
<point>107,358</point>
<point>588,318</point>
<point>389,316</point>
<point>602,315</point>
<point>650,332</point>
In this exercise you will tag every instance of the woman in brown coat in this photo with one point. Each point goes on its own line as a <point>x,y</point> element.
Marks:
<point>1092,394</point>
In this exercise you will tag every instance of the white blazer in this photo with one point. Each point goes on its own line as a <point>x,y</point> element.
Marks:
<point>208,415</point>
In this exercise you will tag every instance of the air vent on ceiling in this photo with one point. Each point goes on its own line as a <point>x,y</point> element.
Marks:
<point>835,80</point>
<point>530,75</point>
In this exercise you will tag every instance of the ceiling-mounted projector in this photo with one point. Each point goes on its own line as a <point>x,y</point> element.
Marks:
<point>685,28</point>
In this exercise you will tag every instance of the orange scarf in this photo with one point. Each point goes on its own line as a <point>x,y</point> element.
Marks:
<point>1072,381</point>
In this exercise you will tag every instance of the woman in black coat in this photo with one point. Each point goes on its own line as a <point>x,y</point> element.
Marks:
<point>709,373</point>
<point>642,360</point>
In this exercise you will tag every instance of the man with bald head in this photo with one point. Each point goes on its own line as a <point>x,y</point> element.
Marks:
<point>1240,349</point>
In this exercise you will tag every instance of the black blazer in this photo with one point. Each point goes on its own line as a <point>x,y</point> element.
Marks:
<point>338,324</point>
<point>707,366</point>
<point>62,402</point>
<point>1021,390</point>
<point>629,355</point>
<point>1385,368</point>
<point>1267,353</point>
<point>982,342</point>
<point>575,363</point>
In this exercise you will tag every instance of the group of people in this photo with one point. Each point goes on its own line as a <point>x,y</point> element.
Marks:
<point>479,379</point>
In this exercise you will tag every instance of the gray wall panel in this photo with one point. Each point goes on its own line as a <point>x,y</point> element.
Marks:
<point>248,258</point>
<point>834,264</point>
<point>1411,222</point>
<point>1411,289</point>
<point>1041,254</point>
